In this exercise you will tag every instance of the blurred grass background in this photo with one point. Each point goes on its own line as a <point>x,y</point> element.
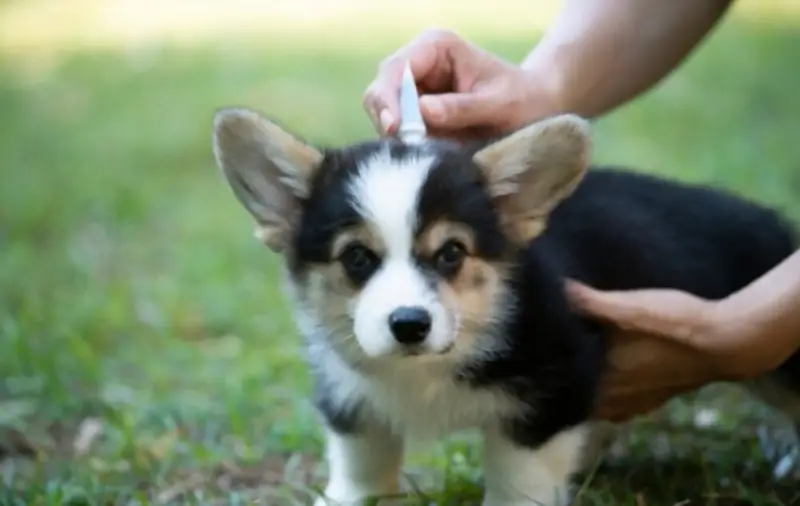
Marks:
<point>146,353</point>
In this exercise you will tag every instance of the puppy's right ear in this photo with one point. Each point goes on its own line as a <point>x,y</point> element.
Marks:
<point>532,170</point>
<point>269,170</point>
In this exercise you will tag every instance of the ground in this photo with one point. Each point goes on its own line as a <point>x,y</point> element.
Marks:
<point>147,355</point>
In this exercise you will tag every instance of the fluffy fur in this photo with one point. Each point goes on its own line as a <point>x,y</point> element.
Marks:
<point>428,286</point>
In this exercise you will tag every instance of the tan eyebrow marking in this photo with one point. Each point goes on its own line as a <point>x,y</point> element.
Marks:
<point>438,233</point>
<point>361,233</point>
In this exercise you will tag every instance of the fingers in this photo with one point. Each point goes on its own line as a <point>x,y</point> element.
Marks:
<point>644,373</point>
<point>381,106</point>
<point>665,313</point>
<point>610,306</point>
<point>381,99</point>
<point>462,135</point>
<point>458,110</point>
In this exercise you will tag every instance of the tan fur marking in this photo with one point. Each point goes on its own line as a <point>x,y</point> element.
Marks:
<point>363,234</point>
<point>474,290</point>
<point>329,292</point>
<point>524,230</point>
<point>473,295</point>
<point>329,281</point>
<point>438,233</point>
<point>475,286</point>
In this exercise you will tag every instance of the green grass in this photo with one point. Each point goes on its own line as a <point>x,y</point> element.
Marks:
<point>133,296</point>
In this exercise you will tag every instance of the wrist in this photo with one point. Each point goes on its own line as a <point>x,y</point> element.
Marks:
<point>725,335</point>
<point>544,85</point>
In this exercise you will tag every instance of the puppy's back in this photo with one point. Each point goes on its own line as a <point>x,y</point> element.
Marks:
<point>624,230</point>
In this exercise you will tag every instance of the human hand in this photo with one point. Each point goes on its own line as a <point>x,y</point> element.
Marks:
<point>669,343</point>
<point>644,371</point>
<point>465,92</point>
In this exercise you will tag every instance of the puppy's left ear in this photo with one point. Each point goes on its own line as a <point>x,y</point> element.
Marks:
<point>268,168</point>
<point>532,170</point>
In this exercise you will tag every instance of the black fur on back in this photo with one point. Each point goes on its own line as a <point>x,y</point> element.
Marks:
<point>622,230</point>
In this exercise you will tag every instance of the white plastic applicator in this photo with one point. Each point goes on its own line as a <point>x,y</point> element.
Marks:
<point>412,127</point>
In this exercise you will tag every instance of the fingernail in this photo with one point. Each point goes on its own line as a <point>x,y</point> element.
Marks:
<point>386,120</point>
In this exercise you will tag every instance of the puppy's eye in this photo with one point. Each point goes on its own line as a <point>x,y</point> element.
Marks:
<point>448,259</point>
<point>359,262</point>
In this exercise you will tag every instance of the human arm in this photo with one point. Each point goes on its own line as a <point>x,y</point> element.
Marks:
<point>672,342</point>
<point>597,55</point>
<point>604,53</point>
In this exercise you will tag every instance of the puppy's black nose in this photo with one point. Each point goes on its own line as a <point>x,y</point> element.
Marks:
<point>410,325</point>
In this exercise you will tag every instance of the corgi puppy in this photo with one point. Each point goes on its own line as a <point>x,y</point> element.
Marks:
<point>428,284</point>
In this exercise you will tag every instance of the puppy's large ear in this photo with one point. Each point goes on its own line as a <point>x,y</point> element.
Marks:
<point>532,170</point>
<point>268,169</point>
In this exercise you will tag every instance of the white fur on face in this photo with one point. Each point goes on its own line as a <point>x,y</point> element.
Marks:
<point>386,193</point>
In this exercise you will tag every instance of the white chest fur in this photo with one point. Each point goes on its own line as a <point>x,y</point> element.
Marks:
<point>417,397</point>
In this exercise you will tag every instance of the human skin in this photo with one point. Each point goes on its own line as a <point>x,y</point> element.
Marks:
<point>598,55</point>
<point>671,342</point>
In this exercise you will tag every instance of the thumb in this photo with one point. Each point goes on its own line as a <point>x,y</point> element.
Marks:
<point>458,110</point>
<point>665,313</point>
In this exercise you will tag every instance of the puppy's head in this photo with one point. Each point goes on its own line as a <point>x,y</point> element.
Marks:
<point>399,250</point>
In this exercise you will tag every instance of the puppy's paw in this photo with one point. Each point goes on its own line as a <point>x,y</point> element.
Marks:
<point>326,500</point>
<point>351,494</point>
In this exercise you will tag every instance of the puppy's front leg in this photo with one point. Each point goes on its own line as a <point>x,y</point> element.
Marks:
<point>361,464</point>
<point>519,475</point>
